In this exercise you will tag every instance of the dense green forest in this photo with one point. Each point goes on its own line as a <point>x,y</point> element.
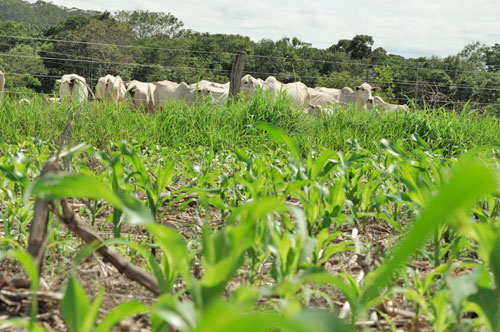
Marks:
<point>39,42</point>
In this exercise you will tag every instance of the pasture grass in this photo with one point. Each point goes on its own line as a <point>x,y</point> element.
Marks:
<point>274,225</point>
<point>230,126</point>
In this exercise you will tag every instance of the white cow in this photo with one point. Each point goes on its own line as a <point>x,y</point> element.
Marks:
<point>115,89</point>
<point>141,94</point>
<point>324,96</point>
<point>165,91</point>
<point>2,85</point>
<point>297,92</point>
<point>250,84</point>
<point>100,89</point>
<point>111,88</point>
<point>360,96</point>
<point>216,93</point>
<point>379,103</point>
<point>73,87</point>
<point>187,93</point>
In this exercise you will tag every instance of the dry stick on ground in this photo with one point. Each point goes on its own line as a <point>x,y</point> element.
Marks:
<point>37,241</point>
<point>38,237</point>
<point>80,228</point>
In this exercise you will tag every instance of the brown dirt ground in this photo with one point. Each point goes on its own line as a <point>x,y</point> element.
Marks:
<point>95,275</point>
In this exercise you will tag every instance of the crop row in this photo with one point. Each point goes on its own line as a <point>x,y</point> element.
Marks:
<point>277,235</point>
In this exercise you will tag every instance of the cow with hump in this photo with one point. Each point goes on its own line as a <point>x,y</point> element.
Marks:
<point>360,96</point>
<point>73,87</point>
<point>141,95</point>
<point>110,88</point>
<point>297,92</point>
<point>380,104</point>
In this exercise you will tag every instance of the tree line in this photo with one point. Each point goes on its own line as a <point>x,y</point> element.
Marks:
<point>151,46</point>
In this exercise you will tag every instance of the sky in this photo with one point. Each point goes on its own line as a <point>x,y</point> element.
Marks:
<point>411,28</point>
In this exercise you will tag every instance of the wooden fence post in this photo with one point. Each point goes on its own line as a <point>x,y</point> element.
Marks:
<point>416,85</point>
<point>236,73</point>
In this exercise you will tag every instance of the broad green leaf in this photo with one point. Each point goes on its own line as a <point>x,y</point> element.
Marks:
<point>74,305</point>
<point>393,148</point>
<point>221,318</point>
<point>242,156</point>
<point>327,278</point>
<point>91,315</point>
<point>169,311</point>
<point>61,185</point>
<point>462,287</point>
<point>172,245</point>
<point>252,211</point>
<point>15,175</point>
<point>165,176</point>
<point>469,181</point>
<point>319,164</point>
<point>277,134</point>
<point>489,301</point>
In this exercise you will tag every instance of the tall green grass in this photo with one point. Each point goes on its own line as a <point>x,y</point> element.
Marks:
<point>229,126</point>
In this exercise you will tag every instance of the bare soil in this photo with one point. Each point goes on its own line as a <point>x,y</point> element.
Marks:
<point>96,275</point>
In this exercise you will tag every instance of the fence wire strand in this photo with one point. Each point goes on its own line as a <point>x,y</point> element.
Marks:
<point>86,64</point>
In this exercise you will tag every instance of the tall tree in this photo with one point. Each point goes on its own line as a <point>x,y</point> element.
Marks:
<point>360,47</point>
<point>493,58</point>
<point>151,24</point>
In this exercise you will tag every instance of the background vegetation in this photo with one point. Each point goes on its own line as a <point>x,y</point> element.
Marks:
<point>52,40</point>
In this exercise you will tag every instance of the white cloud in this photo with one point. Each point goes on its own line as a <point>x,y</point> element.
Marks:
<point>408,28</point>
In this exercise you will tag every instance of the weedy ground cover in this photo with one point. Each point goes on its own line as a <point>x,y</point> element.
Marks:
<point>260,226</point>
<point>229,127</point>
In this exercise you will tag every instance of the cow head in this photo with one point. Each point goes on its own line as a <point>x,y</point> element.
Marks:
<point>364,91</point>
<point>73,86</point>
<point>249,85</point>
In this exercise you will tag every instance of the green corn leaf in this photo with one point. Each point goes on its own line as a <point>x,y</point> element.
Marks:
<point>91,315</point>
<point>318,167</point>
<point>393,148</point>
<point>462,287</point>
<point>278,135</point>
<point>165,176</point>
<point>61,185</point>
<point>469,181</point>
<point>74,305</point>
<point>172,245</point>
<point>14,175</point>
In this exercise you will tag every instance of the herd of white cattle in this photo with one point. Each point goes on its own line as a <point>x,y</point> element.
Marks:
<point>154,96</point>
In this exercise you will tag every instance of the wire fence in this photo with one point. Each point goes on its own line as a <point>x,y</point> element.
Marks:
<point>182,50</point>
<point>416,89</point>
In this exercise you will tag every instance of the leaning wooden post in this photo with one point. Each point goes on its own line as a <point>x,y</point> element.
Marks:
<point>37,240</point>
<point>236,73</point>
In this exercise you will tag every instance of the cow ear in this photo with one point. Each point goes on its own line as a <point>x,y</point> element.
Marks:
<point>357,87</point>
<point>375,88</point>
